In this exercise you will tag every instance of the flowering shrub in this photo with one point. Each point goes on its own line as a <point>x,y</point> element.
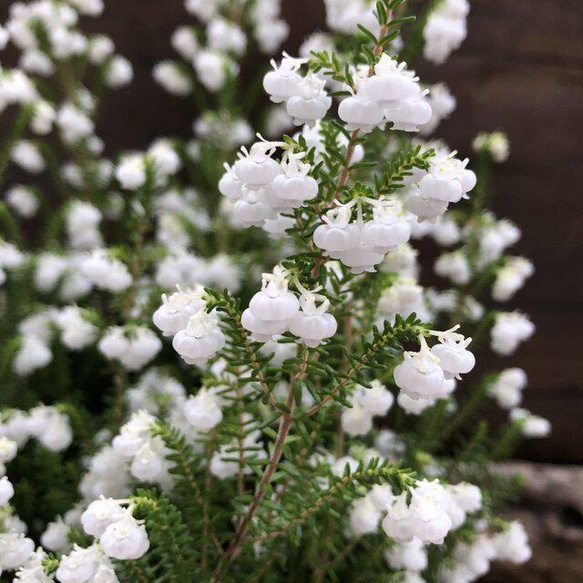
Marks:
<point>323,424</point>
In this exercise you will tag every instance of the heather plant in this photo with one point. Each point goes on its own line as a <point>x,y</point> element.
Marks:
<point>168,413</point>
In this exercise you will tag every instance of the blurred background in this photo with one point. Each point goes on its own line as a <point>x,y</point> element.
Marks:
<point>521,71</point>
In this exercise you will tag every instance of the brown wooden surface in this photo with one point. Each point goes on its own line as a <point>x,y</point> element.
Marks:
<point>520,70</point>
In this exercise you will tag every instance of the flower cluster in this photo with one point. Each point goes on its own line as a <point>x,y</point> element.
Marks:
<point>214,435</point>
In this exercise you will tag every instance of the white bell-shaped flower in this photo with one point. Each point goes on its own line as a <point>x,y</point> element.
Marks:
<point>125,539</point>
<point>311,102</point>
<point>200,340</point>
<point>312,324</point>
<point>391,82</point>
<point>282,83</point>
<point>252,210</point>
<point>203,411</point>
<point>99,515</point>
<point>360,113</point>
<point>6,491</point>
<point>79,566</point>
<point>410,114</point>
<point>454,358</point>
<point>419,375</point>
<point>256,168</point>
<point>364,517</point>
<point>337,234</point>
<point>230,185</point>
<point>386,231</point>
<point>274,301</point>
<point>294,186</point>
<point>356,420</point>
<point>425,209</point>
<point>172,316</point>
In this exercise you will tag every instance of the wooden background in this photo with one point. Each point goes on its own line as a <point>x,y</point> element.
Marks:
<point>521,70</point>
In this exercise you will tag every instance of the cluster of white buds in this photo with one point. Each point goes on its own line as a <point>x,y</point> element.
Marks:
<point>428,375</point>
<point>360,244</point>
<point>446,182</point>
<point>511,277</point>
<point>275,310</point>
<point>146,453</point>
<point>445,30</point>
<point>63,39</point>
<point>366,404</point>
<point>105,271</point>
<point>260,188</point>
<point>392,95</point>
<point>305,98</point>
<point>132,347</point>
<point>120,535</point>
<point>509,331</point>
<point>48,425</point>
<point>225,40</point>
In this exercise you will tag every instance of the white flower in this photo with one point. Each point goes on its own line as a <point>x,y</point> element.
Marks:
<point>125,539</point>
<point>364,517</point>
<point>509,330</point>
<point>32,355</point>
<point>411,556</point>
<point>203,411</point>
<point>6,492</point>
<point>27,155</point>
<point>184,41</point>
<point>496,144</point>
<point>512,544</point>
<point>56,536</point>
<point>200,340</point>
<point>171,77</point>
<point>426,517</point>
<point>105,272</point>
<point>23,201</point>
<point>212,68</point>
<point>100,48</point>
<point>119,72</point>
<point>131,172</point>
<point>99,515</point>
<point>508,387</point>
<point>15,550</point>
<point>533,426</point>
<point>419,375</point>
